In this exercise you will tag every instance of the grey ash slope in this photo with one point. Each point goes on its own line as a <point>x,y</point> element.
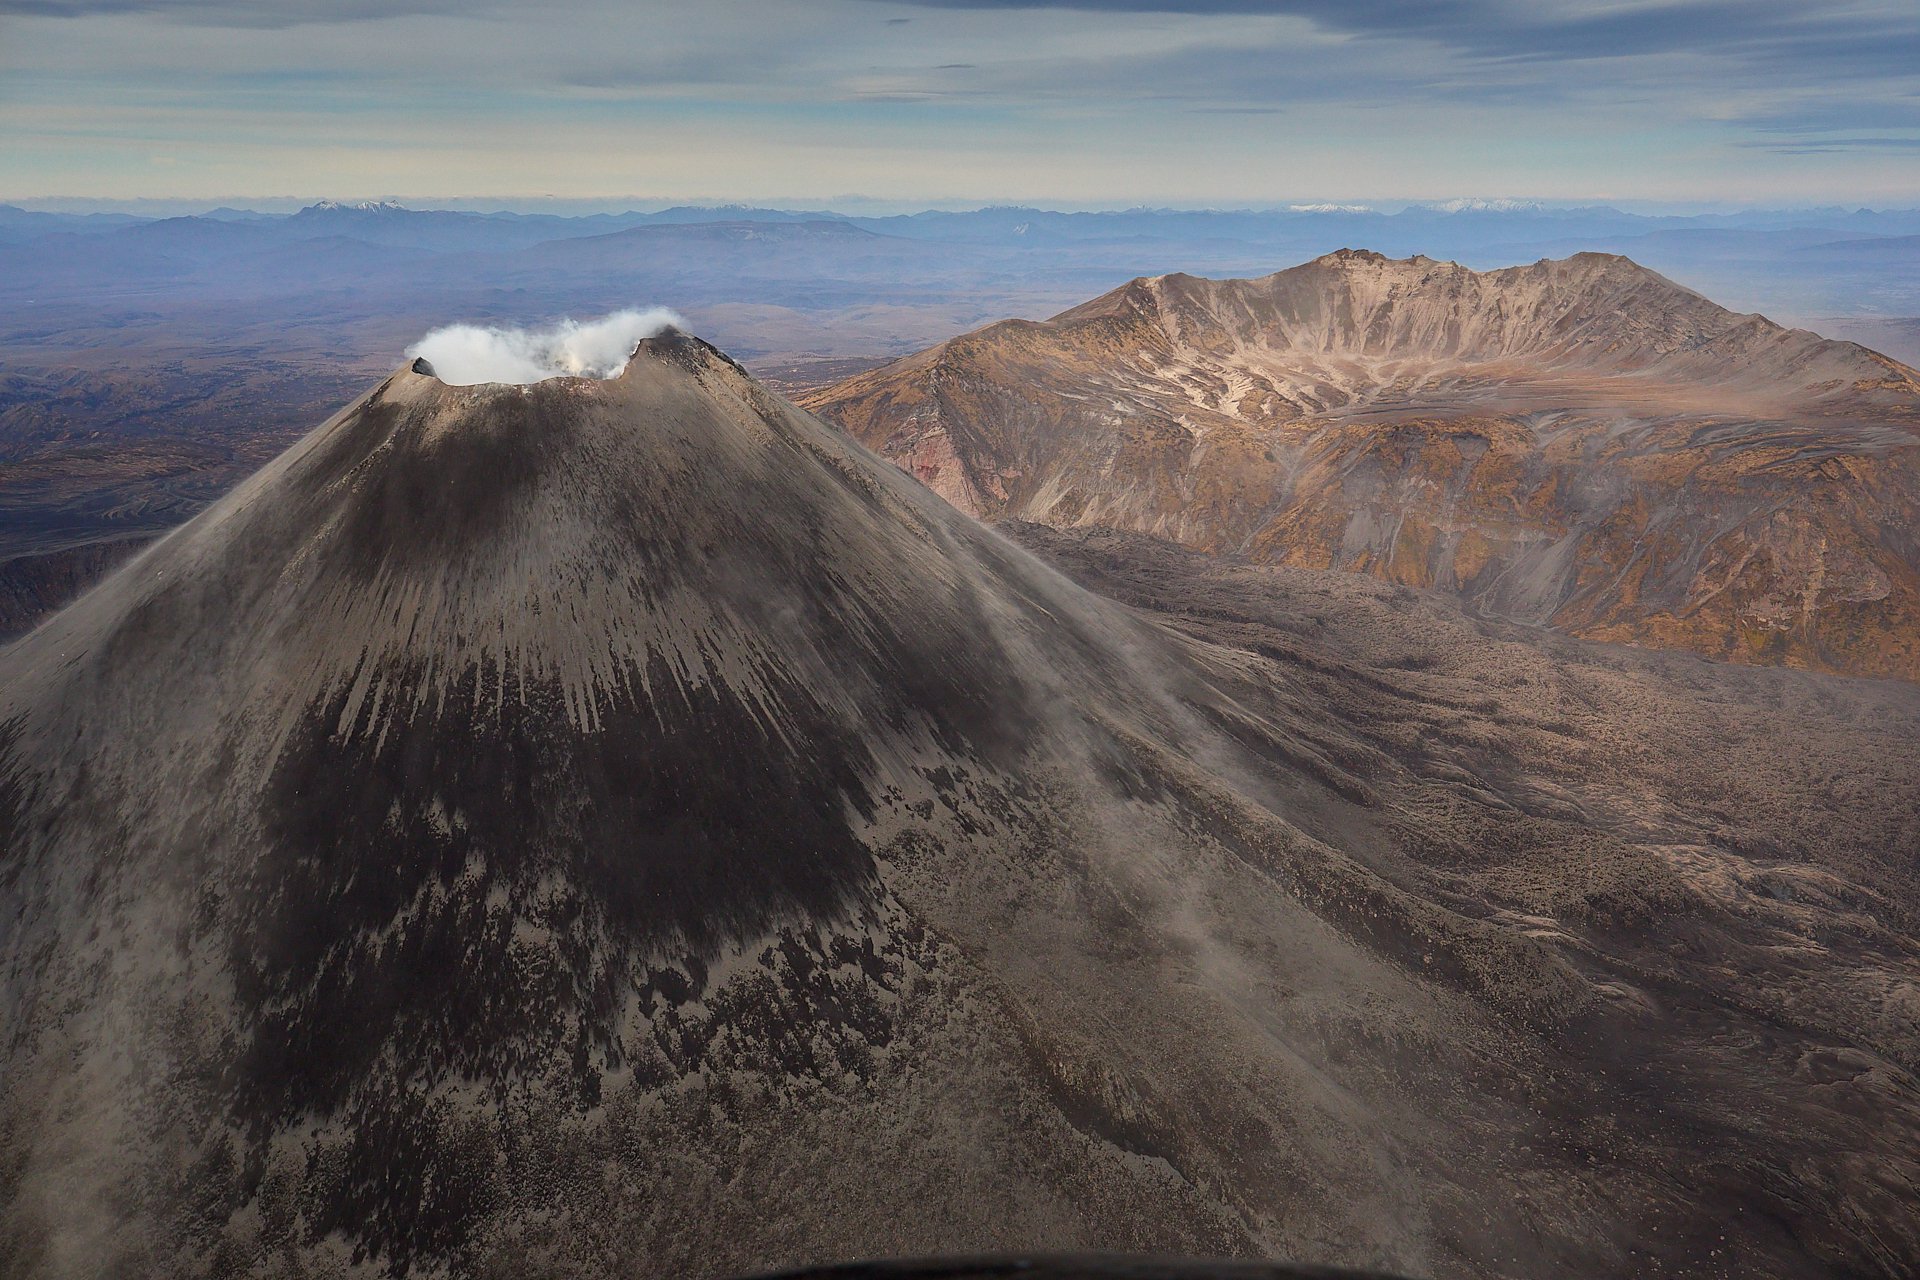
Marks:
<point>611,828</point>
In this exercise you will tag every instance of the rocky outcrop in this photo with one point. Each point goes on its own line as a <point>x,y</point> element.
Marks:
<point>1581,443</point>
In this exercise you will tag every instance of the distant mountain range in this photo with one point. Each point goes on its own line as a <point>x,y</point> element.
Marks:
<point>1470,220</point>
<point>1785,258</point>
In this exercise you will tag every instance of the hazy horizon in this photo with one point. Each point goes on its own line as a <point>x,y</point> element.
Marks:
<point>875,206</point>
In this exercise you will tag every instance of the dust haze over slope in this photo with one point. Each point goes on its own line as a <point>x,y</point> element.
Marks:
<point>1581,443</point>
<point>603,827</point>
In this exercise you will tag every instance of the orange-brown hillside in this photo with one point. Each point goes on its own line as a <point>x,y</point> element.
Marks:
<point>1581,443</point>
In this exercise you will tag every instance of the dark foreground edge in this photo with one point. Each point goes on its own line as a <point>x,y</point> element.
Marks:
<point>1083,1266</point>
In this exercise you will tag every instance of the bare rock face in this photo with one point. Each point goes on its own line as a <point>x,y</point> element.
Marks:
<point>611,828</point>
<point>1580,443</point>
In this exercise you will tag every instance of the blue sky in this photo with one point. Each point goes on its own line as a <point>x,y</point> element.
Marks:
<point>1194,102</point>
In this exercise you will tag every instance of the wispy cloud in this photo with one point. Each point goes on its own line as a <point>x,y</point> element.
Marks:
<point>1164,100</point>
<point>1821,145</point>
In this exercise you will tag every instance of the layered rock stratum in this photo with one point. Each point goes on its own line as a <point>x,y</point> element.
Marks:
<point>1581,443</point>
<point>613,828</point>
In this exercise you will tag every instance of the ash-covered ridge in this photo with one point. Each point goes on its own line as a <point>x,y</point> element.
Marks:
<point>457,755</point>
<point>644,652</point>
<point>608,827</point>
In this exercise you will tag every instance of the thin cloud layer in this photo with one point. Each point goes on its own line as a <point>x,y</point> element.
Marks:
<point>1163,101</point>
<point>464,355</point>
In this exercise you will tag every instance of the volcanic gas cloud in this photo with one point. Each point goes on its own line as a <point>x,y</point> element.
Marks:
<point>464,354</point>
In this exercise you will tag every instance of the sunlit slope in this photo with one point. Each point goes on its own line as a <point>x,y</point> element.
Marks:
<point>1579,442</point>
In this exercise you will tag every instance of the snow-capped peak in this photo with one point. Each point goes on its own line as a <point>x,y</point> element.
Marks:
<point>362,206</point>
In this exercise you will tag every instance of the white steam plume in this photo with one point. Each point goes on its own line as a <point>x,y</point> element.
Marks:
<point>463,354</point>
